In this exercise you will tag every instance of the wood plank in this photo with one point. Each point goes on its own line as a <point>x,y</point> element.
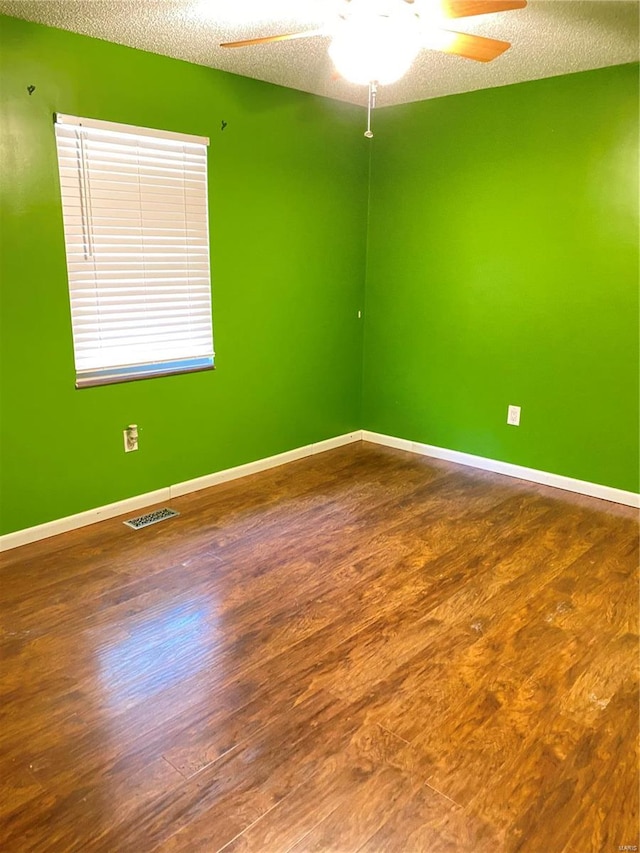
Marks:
<point>363,650</point>
<point>329,778</point>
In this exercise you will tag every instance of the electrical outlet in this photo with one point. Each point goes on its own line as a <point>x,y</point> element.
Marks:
<point>130,435</point>
<point>513,416</point>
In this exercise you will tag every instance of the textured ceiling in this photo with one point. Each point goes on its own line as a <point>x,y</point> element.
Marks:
<point>549,37</point>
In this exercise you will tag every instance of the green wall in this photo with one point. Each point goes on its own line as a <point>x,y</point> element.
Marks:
<point>503,269</point>
<point>288,195</point>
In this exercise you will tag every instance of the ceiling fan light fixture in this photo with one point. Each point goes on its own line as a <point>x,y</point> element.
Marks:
<point>375,43</point>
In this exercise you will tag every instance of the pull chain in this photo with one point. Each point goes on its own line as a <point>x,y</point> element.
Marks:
<point>373,89</point>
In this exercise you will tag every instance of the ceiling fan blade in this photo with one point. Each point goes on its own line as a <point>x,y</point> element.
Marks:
<point>467,8</point>
<point>471,47</point>
<point>269,39</point>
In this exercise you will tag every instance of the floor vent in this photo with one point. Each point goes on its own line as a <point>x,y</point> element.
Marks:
<point>150,518</point>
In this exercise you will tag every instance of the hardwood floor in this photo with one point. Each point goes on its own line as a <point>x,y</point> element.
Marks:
<point>364,650</point>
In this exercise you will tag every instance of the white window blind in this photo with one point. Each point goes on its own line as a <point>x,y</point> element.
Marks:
<point>134,205</point>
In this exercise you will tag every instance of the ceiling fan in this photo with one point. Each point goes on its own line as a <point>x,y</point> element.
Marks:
<point>375,41</point>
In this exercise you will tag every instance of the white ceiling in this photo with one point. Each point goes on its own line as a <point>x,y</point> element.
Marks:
<point>549,37</point>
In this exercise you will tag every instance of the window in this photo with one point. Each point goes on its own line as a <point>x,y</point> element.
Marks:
<point>134,204</point>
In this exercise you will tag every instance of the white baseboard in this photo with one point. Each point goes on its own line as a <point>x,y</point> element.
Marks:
<point>82,519</point>
<point>262,464</point>
<point>558,481</point>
